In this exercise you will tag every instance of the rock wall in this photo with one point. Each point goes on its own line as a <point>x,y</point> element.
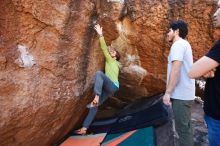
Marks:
<point>46,85</point>
<point>49,54</point>
<point>145,26</point>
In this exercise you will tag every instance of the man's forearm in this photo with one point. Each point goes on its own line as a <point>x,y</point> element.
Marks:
<point>174,77</point>
<point>202,67</point>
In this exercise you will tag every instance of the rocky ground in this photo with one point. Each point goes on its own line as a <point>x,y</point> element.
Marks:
<point>199,127</point>
<point>166,137</point>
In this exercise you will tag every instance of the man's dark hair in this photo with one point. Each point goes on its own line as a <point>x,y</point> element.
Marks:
<point>182,26</point>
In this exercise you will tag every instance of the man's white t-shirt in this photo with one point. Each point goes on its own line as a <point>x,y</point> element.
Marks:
<point>185,87</point>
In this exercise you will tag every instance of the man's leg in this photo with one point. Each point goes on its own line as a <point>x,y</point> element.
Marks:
<point>182,116</point>
<point>213,131</point>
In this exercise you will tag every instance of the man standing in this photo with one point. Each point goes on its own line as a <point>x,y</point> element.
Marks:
<point>208,66</point>
<point>180,89</point>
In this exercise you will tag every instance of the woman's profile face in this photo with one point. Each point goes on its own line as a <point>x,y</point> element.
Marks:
<point>112,52</point>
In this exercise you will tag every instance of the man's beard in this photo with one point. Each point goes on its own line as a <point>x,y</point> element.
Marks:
<point>171,39</point>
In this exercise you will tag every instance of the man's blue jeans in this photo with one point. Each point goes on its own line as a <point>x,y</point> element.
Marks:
<point>104,88</point>
<point>213,131</point>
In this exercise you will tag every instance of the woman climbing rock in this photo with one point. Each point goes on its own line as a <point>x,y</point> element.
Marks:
<point>106,84</point>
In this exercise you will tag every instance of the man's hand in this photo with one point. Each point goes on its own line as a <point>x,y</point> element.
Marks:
<point>210,74</point>
<point>166,99</point>
<point>98,29</point>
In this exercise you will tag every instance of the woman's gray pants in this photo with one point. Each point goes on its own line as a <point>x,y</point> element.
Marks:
<point>104,88</point>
